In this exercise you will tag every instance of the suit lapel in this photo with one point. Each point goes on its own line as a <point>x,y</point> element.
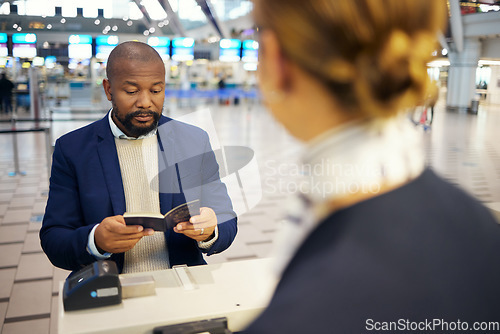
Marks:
<point>163,175</point>
<point>106,148</point>
<point>108,156</point>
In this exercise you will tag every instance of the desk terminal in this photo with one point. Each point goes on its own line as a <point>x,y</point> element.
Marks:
<point>96,285</point>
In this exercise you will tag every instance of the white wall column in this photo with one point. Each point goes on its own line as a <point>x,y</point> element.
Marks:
<point>494,86</point>
<point>96,89</point>
<point>34,89</point>
<point>462,75</point>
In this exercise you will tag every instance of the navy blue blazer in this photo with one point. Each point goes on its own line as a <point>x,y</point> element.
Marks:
<point>425,254</point>
<point>86,187</point>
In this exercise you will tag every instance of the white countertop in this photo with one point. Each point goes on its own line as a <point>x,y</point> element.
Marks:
<point>236,290</point>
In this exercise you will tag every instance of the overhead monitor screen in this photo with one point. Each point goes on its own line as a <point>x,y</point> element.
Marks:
<point>24,50</point>
<point>24,45</point>
<point>23,38</point>
<point>230,50</point>
<point>182,49</point>
<point>104,45</point>
<point>102,51</point>
<point>4,52</point>
<point>80,39</point>
<point>250,51</point>
<point>107,40</point>
<point>3,45</point>
<point>161,45</point>
<point>80,51</point>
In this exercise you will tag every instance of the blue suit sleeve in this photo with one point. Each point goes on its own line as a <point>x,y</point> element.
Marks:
<point>63,234</point>
<point>214,195</point>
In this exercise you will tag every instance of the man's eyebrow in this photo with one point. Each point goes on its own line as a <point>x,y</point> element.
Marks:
<point>136,85</point>
<point>131,83</point>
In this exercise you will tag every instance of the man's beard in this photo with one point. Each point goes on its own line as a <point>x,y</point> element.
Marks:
<point>136,131</point>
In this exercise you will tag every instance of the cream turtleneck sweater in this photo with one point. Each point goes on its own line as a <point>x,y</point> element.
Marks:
<point>139,168</point>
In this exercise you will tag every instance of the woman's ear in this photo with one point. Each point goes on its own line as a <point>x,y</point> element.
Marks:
<point>274,68</point>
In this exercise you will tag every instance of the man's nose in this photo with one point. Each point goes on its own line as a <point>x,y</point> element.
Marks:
<point>144,100</point>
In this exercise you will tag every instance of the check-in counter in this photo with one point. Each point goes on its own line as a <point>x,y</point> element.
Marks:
<point>238,291</point>
<point>80,92</point>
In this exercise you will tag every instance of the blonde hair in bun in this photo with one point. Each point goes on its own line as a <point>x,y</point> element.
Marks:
<point>370,54</point>
<point>395,78</point>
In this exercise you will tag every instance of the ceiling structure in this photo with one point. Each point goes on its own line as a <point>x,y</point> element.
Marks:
<point>148,17</point>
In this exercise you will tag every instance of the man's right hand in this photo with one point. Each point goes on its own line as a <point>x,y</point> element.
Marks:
<point>114,236</point>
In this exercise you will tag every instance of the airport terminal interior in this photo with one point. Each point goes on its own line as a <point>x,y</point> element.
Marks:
<point>58,90</point>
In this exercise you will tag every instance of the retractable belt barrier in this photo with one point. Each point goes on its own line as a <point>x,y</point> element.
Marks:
<point>48,147</point>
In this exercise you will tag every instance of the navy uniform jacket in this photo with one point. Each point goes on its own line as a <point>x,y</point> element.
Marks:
<point>423,255</point>
<point>86,187</point>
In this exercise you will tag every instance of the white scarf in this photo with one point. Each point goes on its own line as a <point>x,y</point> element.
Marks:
<point>357,157</point>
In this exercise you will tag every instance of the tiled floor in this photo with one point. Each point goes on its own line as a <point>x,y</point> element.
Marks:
<point>463,148</point>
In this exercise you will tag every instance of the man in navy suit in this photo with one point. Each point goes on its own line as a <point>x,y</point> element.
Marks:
<point>134,159</point>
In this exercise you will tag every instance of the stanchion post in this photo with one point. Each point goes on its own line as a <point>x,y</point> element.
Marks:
<point>16,154</point>
<point>15,146</point>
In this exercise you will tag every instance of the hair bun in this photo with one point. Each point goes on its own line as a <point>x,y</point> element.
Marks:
<point>341,71</point>
<point>395,77</point>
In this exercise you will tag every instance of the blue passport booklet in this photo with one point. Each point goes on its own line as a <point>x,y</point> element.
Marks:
<point>159,222</point>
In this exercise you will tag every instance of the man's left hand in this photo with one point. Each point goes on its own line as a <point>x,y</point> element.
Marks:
<point>199,227</point>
